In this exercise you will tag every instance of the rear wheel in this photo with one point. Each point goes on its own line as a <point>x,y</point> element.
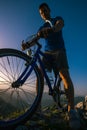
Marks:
<point>59,96</point>
<point>17,103</point>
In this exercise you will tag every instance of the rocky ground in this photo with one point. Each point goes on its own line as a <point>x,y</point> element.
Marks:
<point>50,119</point>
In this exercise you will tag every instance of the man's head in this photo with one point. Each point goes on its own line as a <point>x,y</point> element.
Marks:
<point>44,11</point>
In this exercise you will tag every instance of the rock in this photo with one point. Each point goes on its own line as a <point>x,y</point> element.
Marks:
<point>51,119</point>
<point>21,127</point>
<point>85,98</point>
<point>79,105</point>
<point>82,108</point>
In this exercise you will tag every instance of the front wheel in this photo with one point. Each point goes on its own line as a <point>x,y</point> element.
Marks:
<point>17,104</point>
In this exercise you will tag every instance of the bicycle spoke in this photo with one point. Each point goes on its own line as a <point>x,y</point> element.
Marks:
<point>17,101</point>
<point>22,97</point>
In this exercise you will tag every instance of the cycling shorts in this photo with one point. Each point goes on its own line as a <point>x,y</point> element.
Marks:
<point>55,60</point>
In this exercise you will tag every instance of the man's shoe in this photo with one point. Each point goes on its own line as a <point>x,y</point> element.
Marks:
<point>74,120</point>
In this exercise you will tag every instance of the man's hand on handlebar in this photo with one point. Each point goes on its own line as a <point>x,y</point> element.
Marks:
<point>23,46</point>
<point>26,45</point>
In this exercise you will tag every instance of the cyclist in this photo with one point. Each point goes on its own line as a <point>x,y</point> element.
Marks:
<point>54,44</point>
<point>51,31</point>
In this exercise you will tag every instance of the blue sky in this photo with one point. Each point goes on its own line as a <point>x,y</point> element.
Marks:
<point>20,18</point>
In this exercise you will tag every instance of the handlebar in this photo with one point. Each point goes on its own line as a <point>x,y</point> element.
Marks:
<point>30,41</point>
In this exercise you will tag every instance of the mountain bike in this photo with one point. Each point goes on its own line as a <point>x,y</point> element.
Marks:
<point>22,79</point>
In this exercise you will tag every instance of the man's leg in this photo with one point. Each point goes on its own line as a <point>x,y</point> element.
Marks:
<point>69,89</point>
<point>74,120</point>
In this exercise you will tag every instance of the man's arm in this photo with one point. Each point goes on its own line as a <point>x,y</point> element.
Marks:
<point>58,26</point>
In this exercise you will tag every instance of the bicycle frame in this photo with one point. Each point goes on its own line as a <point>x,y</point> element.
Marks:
<point>26,72</point>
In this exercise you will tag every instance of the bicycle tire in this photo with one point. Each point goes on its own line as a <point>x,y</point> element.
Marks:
<point>16,106</point>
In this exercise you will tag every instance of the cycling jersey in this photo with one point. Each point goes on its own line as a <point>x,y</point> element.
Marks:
<point>54,41</point>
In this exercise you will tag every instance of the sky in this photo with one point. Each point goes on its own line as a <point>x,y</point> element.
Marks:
<point>21,18</point>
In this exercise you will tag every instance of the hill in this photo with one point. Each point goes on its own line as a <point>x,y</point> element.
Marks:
<point>51,118</point>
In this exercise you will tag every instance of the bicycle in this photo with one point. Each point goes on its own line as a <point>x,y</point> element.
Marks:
<point>19,77</point>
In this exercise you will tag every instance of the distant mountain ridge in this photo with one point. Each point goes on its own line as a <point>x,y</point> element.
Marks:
<point>6,107</point>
